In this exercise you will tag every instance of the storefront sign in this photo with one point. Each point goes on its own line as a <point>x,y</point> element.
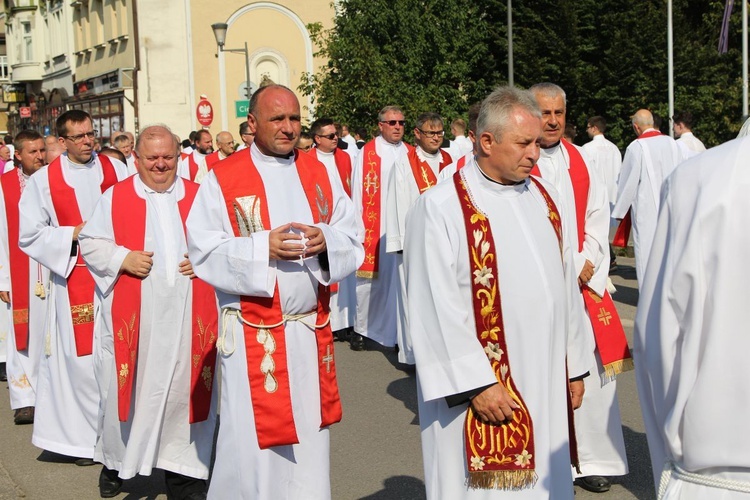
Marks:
<point>14,93</point>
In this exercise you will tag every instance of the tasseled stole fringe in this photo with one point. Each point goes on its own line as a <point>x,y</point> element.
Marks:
<point>509,480</point>
<point>611,370</point>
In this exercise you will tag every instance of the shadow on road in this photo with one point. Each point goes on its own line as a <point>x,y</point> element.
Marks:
<point>405,390</point>
<point>639,480</point>
<point>399,488</point>
<point>626,295</point>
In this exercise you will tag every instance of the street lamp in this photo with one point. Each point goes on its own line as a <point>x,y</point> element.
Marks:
<point>220,33</point>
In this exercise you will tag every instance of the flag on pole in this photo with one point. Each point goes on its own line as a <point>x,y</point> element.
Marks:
<point>724,36</point>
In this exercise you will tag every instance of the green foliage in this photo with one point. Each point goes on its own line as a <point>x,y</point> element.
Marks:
<point>610,57</point>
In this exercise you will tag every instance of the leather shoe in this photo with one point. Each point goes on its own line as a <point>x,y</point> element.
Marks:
<point>109,483</point>
<point>84,462</point>
<point>595,484</point>
<point>357,342</point>
<point>3,373</point>
<point>23,416</point>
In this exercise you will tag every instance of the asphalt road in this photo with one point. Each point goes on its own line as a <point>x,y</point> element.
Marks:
<point>375,450</point>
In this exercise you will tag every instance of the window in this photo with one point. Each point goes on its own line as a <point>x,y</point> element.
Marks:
<point>28,47</point>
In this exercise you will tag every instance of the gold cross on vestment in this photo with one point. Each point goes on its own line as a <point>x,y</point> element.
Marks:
<point>328,358</point>
<point>604,316</point>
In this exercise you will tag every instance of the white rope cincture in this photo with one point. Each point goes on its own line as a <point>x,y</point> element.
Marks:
<point>228,315</point>
<point>671,469</point>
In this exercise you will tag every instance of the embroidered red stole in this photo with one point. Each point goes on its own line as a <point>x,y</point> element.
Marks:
<point>609,333</point>
<point>265,343</point>
<point>80,284</point>
<point>622,235</point>
<point>19,261</point>
<point>498,457</point>
<point>423,174</point>
<point>371,200</point>
<point>344,166</point>
<point>461,163</point>
<point>129,226</point>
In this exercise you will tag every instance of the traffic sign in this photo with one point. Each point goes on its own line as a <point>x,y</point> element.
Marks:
<point>241,108</point>
<point>24,112</point>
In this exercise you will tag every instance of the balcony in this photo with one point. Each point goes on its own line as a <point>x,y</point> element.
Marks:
<point>26,72</point>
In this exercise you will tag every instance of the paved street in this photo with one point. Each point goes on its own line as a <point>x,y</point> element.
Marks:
<point>376,452</point>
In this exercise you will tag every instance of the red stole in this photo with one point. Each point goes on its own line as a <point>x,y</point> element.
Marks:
<point>461,163</point>
<point>129,225</point>
<point>80,286</point>
<point>19,261</point>
<point>605,321</point>
<point>184,155</point>
<point>213,159</point>
<point>371,200</point>
<point>498,457</point>
<point>192,166</point>
<point>344,166</point>
<point>423,174</point>
<point>622,235</point>
<point>265,342</point>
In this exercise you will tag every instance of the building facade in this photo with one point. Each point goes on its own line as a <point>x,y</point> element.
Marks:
<point>130,63</point>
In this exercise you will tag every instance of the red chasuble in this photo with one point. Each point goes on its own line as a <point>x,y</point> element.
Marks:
<point>80,286</point>
<point>423,174</point>
<point>129,225</point>
<point>605,321</point>
<point>263,318</point>
<point>622,235</point>
<point>19,261</point>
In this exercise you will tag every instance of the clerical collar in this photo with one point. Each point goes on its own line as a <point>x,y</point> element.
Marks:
<point>498,182</point>
<point>551,150</point>
<point>148,190</point>
<point>425,154</point>
<point>88,164</point>
<point>259,157</point>
<point>321,152</point>
<point>386,143</point>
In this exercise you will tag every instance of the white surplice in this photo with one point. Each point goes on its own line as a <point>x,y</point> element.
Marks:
<point>344,301</point>
<point>403,192</point>
<point>22,366</point>
<point>158,433</point>
<point>691,339</point>
<point>601,445</point>
<point>447,172</point>
<point>241,266</point>
<point>67,396</point>
<point>606,160</point>
<point>541,316</point>
<point>377,304</point>
<point>183,166</point>
<point>691,142</point>
<point>646,164</point>
<point>132,169</point>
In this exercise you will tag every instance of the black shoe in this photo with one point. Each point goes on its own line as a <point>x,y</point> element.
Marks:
<point>109,483</point>
<point>3,373</point>
<point>357,342</point>
<point>84,462</point>
<point>23,416</point>
<point>595,484</point>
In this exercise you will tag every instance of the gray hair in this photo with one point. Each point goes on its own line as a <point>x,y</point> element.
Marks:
<point>549,89</point>
<point>496,109</point>
<point>388,109</point>
<point>153,131</point>
<point>428,117</point>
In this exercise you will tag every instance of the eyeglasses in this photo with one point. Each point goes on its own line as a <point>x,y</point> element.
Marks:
<point>77,139</point>
<point>393,123</point>
<point>432,133</point>
<point>330,137</point>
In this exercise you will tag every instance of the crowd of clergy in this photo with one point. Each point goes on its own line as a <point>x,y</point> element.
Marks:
<point>156,284</point>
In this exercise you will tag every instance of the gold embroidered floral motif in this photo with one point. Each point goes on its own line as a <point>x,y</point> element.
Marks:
<point>267,364</point>
<point>124,371</point>
<point>83,313</point>
<point>20,316</point>
<point>208,377</point>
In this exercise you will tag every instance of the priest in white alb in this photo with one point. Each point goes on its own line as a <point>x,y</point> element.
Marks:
<point>339,164</point>
<point>271,229</point>
<point>377,278</point>
<point>601,445</point>
<point>691,330</point>
<point>494,317</point>
<point>23,282</point>
<point>155,351</point>
<point>54,207</point>
<point>648,161</point>
<point>412,175</point>
<point>459,163</point>
<point>192,163</point>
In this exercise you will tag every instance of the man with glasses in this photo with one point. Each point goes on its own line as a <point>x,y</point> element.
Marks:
<point>224,149</point>
<point>55,205</point>
<point>339,165</point>
<point>412,175</point>
<point>377,278</point>
<point>246,135</point>
<point>190,165</point>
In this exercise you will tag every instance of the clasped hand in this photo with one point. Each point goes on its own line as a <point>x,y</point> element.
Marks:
<point>283,244</point>
<point>494,405</point>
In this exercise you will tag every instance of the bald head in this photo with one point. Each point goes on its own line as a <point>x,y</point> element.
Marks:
<point>643,119</point>
<point>225,143</point>
<point>275,118</point>
<point>158,151</point>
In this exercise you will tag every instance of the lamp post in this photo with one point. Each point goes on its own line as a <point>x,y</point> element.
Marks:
<point>220,33</point>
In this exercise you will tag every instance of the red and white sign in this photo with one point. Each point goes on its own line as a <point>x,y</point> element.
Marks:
<point>204,111</point>
<point>24,111</point>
